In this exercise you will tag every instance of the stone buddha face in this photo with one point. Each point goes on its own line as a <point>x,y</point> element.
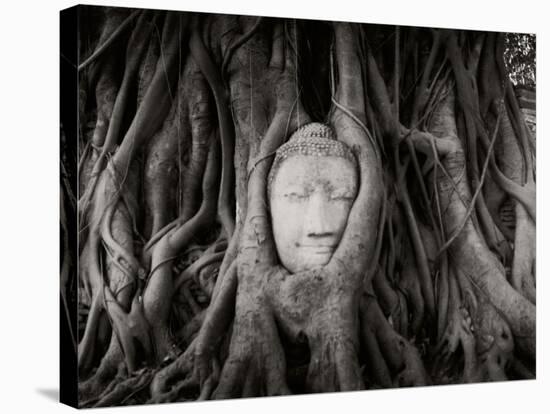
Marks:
<point>312,186</point>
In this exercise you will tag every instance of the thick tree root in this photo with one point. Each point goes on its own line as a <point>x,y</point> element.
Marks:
<point>165,382</point>
<point>469,250</point>
<point>112,364</point>
<point>391,359</point>
<point>125,389</point>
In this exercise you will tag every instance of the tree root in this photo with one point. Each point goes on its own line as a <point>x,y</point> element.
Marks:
<point>131,328</point>
<point>514,167</point>
<point>459,333</point>
<point>392,360</point>
<point>161,170</point>
<point>90,270</point>
<point>495,343</point>
<point>218,316</point>
<point>166,378</point>
<point>226,130</point>
<point>195,269</point>
<point>523,267</point>
<point>160,283</point>
<point>111,366</point>
<point>135,48</point>
<point>410,285</point>
<point>469,249</point>
<point>112,37</point>
<point>334,364</point>
<point>256,362</point>
<point>123,390</point>
<point>87,347</point>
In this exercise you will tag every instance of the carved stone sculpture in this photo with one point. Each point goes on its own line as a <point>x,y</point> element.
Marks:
<point>311,186</point>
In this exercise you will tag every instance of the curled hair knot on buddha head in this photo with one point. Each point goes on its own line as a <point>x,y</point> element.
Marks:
<point>314,139</point>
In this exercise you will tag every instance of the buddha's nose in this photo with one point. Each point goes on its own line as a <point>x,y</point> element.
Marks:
<point>317,224</point>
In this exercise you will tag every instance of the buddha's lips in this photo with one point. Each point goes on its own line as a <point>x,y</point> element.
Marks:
<point>319,249</point>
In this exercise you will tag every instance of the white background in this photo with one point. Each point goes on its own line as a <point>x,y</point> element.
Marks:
<point>29,183</point>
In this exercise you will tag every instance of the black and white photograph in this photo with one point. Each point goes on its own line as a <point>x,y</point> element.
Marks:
<point>257,206</point>
<point>274,207</point>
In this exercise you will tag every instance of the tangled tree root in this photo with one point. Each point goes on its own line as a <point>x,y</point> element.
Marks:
<point>184,298</point>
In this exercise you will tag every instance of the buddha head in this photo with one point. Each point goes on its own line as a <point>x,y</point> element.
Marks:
<point>312,185</point>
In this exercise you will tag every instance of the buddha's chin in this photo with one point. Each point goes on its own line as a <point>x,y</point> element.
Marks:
<point>314,258</point>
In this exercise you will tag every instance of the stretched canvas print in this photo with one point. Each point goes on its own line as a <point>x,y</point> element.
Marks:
<point>258,206</point>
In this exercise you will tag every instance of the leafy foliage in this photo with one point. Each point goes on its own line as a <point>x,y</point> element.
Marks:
<point>521,58</point>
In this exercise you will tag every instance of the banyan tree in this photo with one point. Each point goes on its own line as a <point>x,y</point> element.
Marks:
<point>272,206</point>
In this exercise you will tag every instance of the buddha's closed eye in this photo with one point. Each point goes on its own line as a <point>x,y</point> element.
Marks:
<point>298,196</point>
<point>295,195</point>
<point>342,197</point>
